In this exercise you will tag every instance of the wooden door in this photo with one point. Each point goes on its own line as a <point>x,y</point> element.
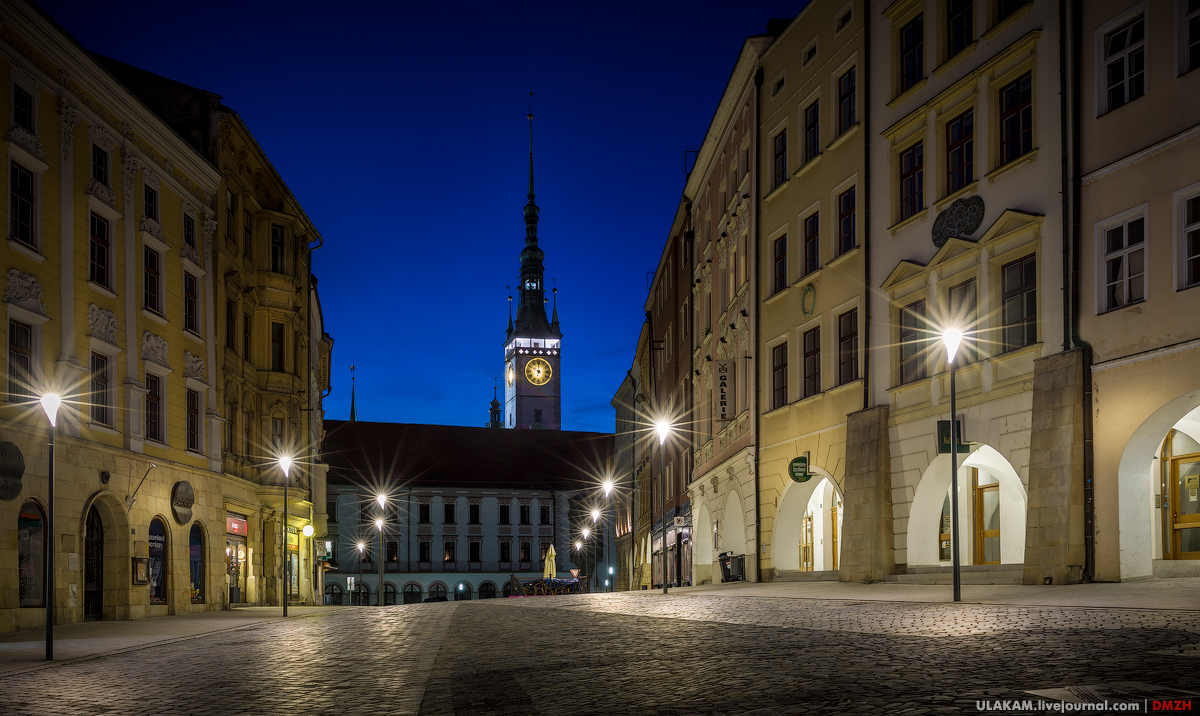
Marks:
<point>93,567</point>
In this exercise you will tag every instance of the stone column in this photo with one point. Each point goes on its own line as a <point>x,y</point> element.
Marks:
<point>868,542</point>
<point>1054,548</point>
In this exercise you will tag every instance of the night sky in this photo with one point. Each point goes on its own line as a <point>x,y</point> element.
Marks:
<point>401,129</point>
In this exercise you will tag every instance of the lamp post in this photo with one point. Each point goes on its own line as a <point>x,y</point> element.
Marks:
<point>663,428</point>
<point>610,531</point>
<point>361,547</point>
<point>382,500</point>
<point>951,338</point>
<point>285,464</point>
<point>50,403</point>
<point>308,533</point>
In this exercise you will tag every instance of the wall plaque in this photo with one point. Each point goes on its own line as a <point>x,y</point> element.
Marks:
<point>182,499</point>
<point>961,218</point>
<point>12,469</point>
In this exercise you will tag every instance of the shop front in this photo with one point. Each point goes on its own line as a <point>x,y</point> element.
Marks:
<point>236,556</point>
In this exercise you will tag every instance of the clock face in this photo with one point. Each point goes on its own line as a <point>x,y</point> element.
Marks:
<point>510,374</point>
<point>537,371</point>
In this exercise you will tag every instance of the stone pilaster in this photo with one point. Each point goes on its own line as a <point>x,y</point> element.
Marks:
<point>1054,548</point>
<point>868,541</point>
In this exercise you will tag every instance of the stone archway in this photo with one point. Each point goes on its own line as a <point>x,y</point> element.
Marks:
<point>731,530</point>
<point>116,597</point>
<point>702,547</point>
<point>789,517</point>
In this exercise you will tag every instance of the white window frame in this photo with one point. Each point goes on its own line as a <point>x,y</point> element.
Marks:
<point>817,321</point>
<point>201,390</point>
<point>199,302</point>
<point>1102,256</point>
<point>164,400</point>
<point>850,182</point>
<point>1098,44</point>
<point>769,372</point>
<point>848,7</point>
<point>21,77</point>
<point>781,75</point>
<point>95,345</point>
<point>810,45</point>
<point>34,321</point>
<point>35,167</point>
<point>1179,204</point>
<point>1182,39</point>
<point>835,315</point>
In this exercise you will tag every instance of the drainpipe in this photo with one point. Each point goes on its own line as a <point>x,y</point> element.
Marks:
<point>865,332</point>
<point>1069,13</point>
<point>758,82</point>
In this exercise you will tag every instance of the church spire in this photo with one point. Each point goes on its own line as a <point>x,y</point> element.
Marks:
<point>353,414</point>
<point>531,300</point>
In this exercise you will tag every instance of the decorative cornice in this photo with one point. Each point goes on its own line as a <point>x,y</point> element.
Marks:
<point>22,74</point>
<point>69,118</point>
<point>155,350</point>
<point>24,291</point>
<point>150,226</point>
<point>193,366</point>
<point>102,324</point>
<point>190,253</point>
<point>101,136</point>
<point>27,140</point>
<point>103,192</point>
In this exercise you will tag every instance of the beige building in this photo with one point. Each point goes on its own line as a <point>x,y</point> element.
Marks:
<point>812,304</point>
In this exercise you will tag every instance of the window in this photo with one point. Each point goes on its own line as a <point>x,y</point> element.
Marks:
<point>1125,64</point>
<point>277,347</point>
<point>810,54</point>
<point>779,376</point>
<point>912,180</point>
<point>448,551</point>
<point>1016,118</point>
<point>487,590</point>
<point>963,301</point>
<point>812,131</point>
<point>474,551</point>
<point>506,551</point>
<point>525,515</point>
<point>157,551</point>
<point>848,347</point>
<point>473,512</point>
<point>149,203</point>
<point>231,431</point>
<point>780,143</point>
<point>247,234</point>
<point>1191,239</point>
<point>423,513</point>
<point>1193,34</point>
<point>812,244</point>
<point>1019,286</point>
<point>846,221</point>
<point>101,403</point>
<point>196,563</point>
<point>526,552</point>
<point>912,52</point>
<point>912,340</point>
<point>1124,263</point>
<point>248,428</point>
<point>191,304</point>
<point>844,20</point>
<point>231,324</point>
<point>449,513</point>
<point>229,211</point>
<point>276,248</point>
<point>504,515</point>
<point>99,165</point>
<point>544,513</point>
<point>20,361</point>
<point>780,264</point>
<point>537,416</point>
<point>20,205</point>
<point>23,108</point>
<point>193,420</point>
<point>812,362</point>
<point>154,421</point>
<point>960,151</point>
<point>99,263</point>
<point>392,551</point>
<point>847,112</point>
<point>960,26</point>
<point>246,336</point>
<point>31,554</point>
<point>425,551</point>
<point>189,231</point>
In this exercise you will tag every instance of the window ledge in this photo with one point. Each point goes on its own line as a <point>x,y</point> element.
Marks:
<point>1114,309</point>
<point>941,204</point>
<point>102,428</point>
<point>102,290</point>
<point>956,59</point>
<point>843,137</point>
<point>26,250</point>
<point>155,317</point>
<point>194,336</point>
<point>805,400</point>
<point>857,382</point>
<point>775,296</point>
<point>919,216</point>
<point>907,93</point>
<point>918,383</point>
<point>195,453</point>
<point>843,258</point>
<point>810,277</point>
<point>1029,157</point>
<point>1003,24</point>
<point>804,168</point>
<point>157,443</point>
<point>776,191</point>
<point>154,242</point>
<point>781,410</point>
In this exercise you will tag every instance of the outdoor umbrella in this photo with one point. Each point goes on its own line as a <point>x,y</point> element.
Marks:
<point>550,570</point>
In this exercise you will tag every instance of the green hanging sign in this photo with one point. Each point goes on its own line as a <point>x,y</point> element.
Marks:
<point>798,469</point>
<point>943,428</point>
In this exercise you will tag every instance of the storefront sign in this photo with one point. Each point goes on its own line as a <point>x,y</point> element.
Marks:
<point>943,427</point>
<point>235,525</point>
<point>182,499</point>
<point>324,548</point>
<point>293,539</point>
<point>680,521</point>
<point>12,469</point>
<point>724,390</point>
<point>798,469</point>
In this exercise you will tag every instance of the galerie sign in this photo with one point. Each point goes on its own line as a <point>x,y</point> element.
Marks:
<point>724,390</point>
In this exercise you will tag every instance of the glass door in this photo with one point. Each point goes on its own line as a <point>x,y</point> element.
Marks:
<point>806,543</point>
<point>944,531</point>
<point>987,518</point>
<point>833,520</point>
<point>1181,508</point>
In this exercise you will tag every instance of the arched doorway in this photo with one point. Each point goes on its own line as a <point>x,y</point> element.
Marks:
<point>462,592</point>
<point>361,596</point>
<point>158,549</point>
<point>437,590</point>
<point>31,555</point>
<point>412,593</point>
<point>702,552</point>
<point>196,562</point>
<point>389,594</point>
<point>333,594</point>
<point>992,508</point>
<point>487,590</point>
<point>808,523</point>
<point>731,531</point>
<point>93,567</point>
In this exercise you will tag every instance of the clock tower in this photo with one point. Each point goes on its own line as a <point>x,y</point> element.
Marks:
<point>532,345</point>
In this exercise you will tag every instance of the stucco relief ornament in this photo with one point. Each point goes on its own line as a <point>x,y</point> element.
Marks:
<point>715,484</point>
<point>962,218</point>
<point>154,349</point>
<point>169,166</point>
<point>193,366</point>
<point>190,253</point>
<point>127,130</point>
<point>150,226</point>
<point>26,140</point>
<point>102,324</point>
<point>24,76</point>
<point>132,164</point>
<point>24,291</point>
<point>69,118</point>
<point>100,136</point>
<point>707,376</point>
<point>210,230</point>
<point>103,192</point>
<point>64,79</point>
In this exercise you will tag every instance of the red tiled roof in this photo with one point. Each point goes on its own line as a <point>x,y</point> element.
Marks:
<point>377,455</point>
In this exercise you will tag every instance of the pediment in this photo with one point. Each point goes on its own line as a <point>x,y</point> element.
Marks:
<point>1009,224</point>
<point>904,272</point>
<point>953,249</point>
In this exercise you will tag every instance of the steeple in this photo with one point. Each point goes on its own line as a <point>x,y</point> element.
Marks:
<point>531,307</point>
<point>353,414</point>
<point>495,414</point>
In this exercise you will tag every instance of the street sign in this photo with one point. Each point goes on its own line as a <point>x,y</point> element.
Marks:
<point>943,428</point>
<point>679,521</point>
<point>798,469</point>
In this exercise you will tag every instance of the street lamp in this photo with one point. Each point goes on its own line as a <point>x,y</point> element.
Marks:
<point>951,337</point>
<point>663,428</point>
<point>382,500</point>
<point>610,533</point>
<point>50,403</point>
<point>361,547</point>
<point>586,532</point>
<point>285,464</point>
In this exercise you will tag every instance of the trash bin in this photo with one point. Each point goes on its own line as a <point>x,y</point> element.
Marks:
<point>723,558</point>
<point>737,567</point>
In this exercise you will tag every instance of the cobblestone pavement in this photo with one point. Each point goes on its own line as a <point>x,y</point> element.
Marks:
<point>627,653</point>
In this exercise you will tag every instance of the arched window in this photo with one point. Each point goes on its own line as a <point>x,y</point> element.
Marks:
<point>412,594</point>
<point>462,592</point>
<point>361,596</point>
<point>487,590</point>
<point>507,590</point>
<point>196,562</point>
<point>389,594</point>
<point>158,562</point>
<point>333,595</point>
<point>31,554</point>
<point>437,590</point>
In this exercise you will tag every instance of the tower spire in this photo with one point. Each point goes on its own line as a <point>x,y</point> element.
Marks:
<point>530,118</point>
<point>353,414</point>
<point>531,298</point>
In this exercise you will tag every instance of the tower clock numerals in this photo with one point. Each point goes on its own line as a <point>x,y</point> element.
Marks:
<point>538,371</point>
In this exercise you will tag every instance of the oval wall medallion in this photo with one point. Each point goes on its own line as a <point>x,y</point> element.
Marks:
<point>182,499</point>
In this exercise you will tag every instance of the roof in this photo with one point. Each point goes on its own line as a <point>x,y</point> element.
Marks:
<point>374,455</point>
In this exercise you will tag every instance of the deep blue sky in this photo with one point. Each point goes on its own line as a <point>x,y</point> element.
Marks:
<point>401,129</point>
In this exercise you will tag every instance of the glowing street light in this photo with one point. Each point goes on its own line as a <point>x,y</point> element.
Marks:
<point>308,530</point>
<point>586,532</point>
<point>595,514</point>
<point>578,546</point>
<point>382,500</point>
<point>608,487</point>
<point>50,403</point>
<point>285,464</point>
<point>951,338</point>
<point>663,427</point>
<point>362,547</point>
